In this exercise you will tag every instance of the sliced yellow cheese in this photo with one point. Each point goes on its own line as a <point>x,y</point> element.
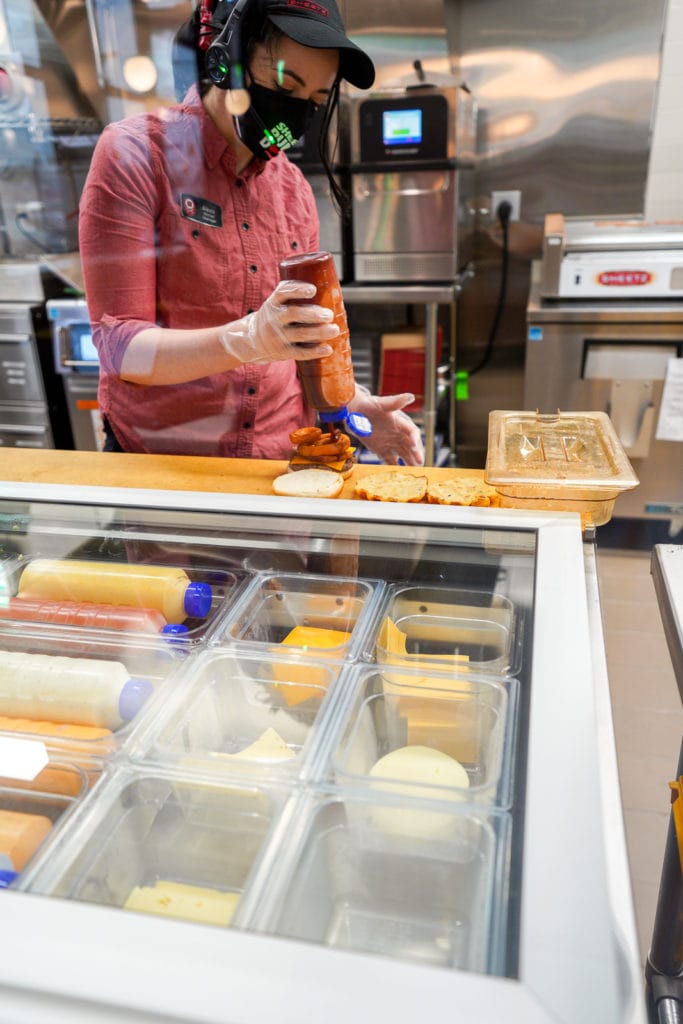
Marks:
<point>301,460</point>
<point>323,643</point>
<point>424,715</point>
<point>187,902</point>
<point>391,649</point>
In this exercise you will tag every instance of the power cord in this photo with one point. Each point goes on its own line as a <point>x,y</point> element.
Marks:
<point>503,212</point>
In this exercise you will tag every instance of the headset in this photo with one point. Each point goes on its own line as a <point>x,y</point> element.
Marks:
<point>224,64</point>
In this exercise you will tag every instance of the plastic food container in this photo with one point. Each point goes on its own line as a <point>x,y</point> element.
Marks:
<point>79,696</point>
<point>357,886</point>
<point>31,813</point>
<point>571,462</point>
<point>470,720</point>
<point>447,629</point>
<point>158,843</point>
<point>134,619</point>
<point>238,714</point>
<point>316,616</point>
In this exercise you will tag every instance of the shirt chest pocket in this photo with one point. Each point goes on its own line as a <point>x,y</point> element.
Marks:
<point>192,261</point>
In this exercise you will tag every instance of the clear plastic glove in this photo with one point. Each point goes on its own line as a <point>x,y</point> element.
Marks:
<point>278,330</point>
<point>394,435</point>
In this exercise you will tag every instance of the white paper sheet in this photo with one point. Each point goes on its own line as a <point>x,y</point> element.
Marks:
<point>670,424</point>
<point>20,758</point>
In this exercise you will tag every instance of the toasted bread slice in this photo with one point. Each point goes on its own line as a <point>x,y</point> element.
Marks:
<point>309,483</point>
<point>394,486</point>
<point>462,491</point>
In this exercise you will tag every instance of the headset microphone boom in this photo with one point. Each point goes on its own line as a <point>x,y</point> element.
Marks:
<point>224,62</point>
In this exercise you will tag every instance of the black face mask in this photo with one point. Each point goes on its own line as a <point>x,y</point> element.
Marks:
<point>274,121</point>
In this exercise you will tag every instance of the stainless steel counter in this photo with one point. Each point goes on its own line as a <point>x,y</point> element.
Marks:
<point>667,575</point>
<point>664,967</point>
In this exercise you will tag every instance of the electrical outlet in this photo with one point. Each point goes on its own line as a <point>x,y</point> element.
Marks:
<point>513,198</point>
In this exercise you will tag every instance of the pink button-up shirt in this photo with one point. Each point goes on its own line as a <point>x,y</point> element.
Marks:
<point>171,236</point>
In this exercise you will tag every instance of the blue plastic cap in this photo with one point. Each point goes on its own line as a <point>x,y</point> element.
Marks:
<point>133,695</point>
<point>331,417</point>
<point>198,600</point>
<point>175,633</point>
<point>174,629</point>
<point>358,424</point>
<point>6,878</point>
<point>355,421</point>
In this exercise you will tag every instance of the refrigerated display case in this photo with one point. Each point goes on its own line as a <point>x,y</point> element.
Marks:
<point>376,780</point>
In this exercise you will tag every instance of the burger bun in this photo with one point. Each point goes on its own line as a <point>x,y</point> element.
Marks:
<point>309,482</point>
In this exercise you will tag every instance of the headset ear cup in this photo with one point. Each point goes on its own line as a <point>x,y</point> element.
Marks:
<point>218,65</point>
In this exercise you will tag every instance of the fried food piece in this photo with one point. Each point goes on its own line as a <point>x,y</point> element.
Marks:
<point>325,446</point>
<point>394,486</point>
<point>305,435</point>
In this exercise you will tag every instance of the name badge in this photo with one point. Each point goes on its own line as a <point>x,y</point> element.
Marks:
<point>201,211</point>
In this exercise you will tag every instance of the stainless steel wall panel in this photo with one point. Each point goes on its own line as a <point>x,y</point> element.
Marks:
<point>566,97</point>
<point>397,32</point>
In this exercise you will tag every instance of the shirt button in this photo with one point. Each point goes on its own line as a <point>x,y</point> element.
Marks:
<point>246,426</point>
<point>239,182</point>
<point>245,226</point>
<point>251,391</point>
<point>295,245</point>
<point>195,233</point>
<point>253,268</point>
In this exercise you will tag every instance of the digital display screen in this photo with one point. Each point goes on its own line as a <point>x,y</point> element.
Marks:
<point>82,343</point>
<point>401,127</point>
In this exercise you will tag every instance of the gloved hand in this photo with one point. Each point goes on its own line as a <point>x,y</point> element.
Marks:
<point>394,435</point>
<point>278,330</point>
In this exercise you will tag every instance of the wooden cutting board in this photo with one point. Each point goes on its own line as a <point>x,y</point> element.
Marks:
<point>170,472</point>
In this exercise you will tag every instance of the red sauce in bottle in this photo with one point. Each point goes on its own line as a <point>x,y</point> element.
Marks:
<point>327,383</point>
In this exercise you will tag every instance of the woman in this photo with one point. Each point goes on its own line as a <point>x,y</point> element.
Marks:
<point>184,218</point>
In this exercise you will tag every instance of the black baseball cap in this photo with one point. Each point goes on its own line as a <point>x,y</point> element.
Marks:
<point>318,23</point>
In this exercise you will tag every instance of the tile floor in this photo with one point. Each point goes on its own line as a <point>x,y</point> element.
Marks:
<point>648,717</point>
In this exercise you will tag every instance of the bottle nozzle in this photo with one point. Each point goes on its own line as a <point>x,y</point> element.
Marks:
<point>174,630</point>
<point>134,693</point>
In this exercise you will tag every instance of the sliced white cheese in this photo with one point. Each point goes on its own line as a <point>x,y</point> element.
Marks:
<point>268,747</point>
<point>417,771</point>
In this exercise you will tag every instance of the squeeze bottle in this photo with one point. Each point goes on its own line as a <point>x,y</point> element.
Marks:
<point>7,872</point>
<point>21,834</point>
<point>64,730</point>
<point>80,691</point>
<point>86,613</point>
<point>328,383</point>
<point>168,590</point>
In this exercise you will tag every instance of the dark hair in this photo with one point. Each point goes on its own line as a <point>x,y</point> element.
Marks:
<point>189,68</point>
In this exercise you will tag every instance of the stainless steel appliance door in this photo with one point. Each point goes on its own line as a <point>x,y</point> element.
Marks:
<point>24,416</point>
<point>405,225</point>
